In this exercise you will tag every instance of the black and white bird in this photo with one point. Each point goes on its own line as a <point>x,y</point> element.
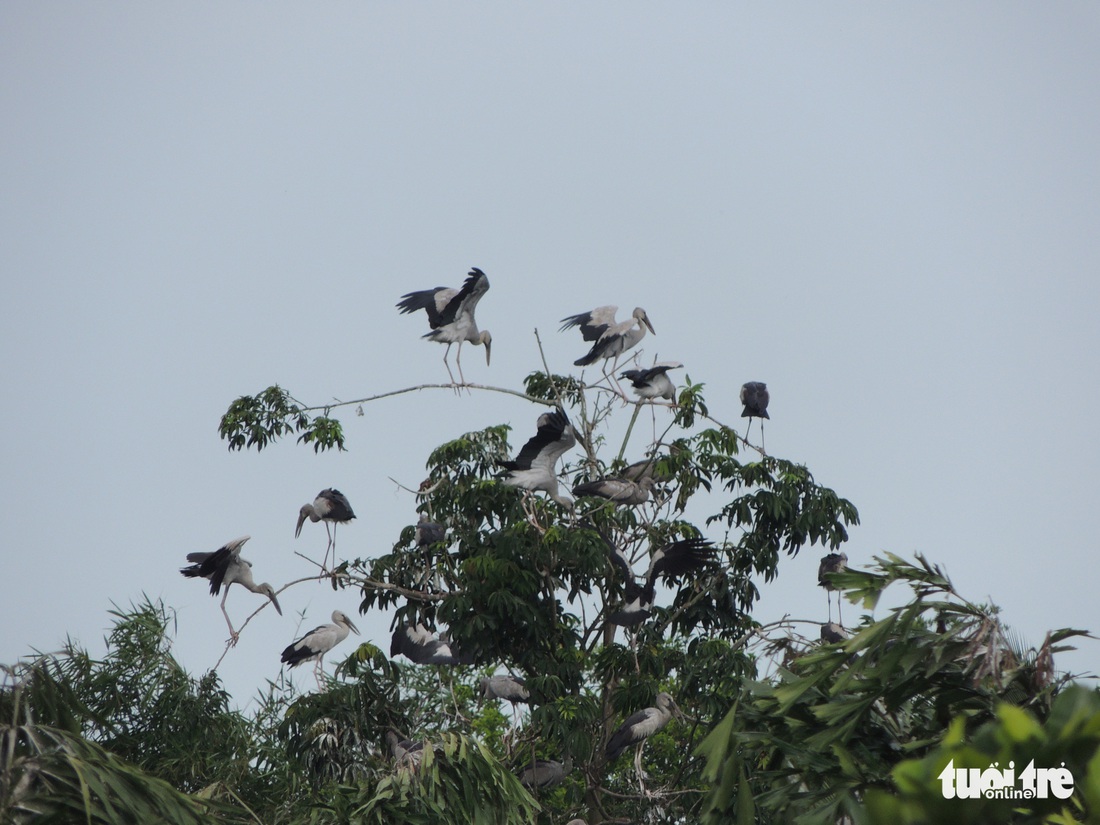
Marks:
<point>618,490</point>
<point>224,567</point>
<point>544,774</point>
<point>535,468</point>
<point>669,562</point>
<point>653,382</point>
<point>420,646</point>
<point>832,563</point>
<point>319,641</point>
<point>832,633</point>
<point>754,397</point>
<point>451,316</point>
<point>332,507</point>
<point>609,338</point>
<point>638,728</point>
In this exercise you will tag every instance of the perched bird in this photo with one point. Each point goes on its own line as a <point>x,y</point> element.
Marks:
<point>332,507</point>
<point>639,727</point>
<point>669,562</point>
<point>832,633</point>
<point>319,641</point>
<point>832,563</point>
<point>535,466</point>
<point>653,382</point>
<point>509,688</point>
<point>224,567</point>
<point>754,395</point>
<point>619,490</point>
<point>451,316</point>
<point>610,338</point>
<point>420,646</point>
<point>406,753</point>
<point>545,773</point>
<point>429,532</point>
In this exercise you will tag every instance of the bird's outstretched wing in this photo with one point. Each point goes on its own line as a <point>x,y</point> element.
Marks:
<point>465,300</point>
<point>593,324</point>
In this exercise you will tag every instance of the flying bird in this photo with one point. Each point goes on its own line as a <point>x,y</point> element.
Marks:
<point>609,338</point>
<point>319,641</point>
<point>618,490</point>
<point>534,467</point>
<point>451,316</point>
<point>332,507</point>
<point>638,728</point>
<point>420,646</point>
<point>832,563</point>
<point>669,562</point>
<point>653,382</point>
<point>754,395</point>
<point>224,567</point>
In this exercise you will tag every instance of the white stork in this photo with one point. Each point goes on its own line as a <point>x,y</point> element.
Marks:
<point>653,382</point>
<point>639,727</point>
<point>618,490</point>
<point>610,338</point>
<point>319,641</point>
<point>332,507</point>
<point>832,563</point>
<point>754,395</point>
<point>451,316</point>
<point>669,562</point>
<point>534,467</point>
<point>420,646</point>
<point>224,567</point>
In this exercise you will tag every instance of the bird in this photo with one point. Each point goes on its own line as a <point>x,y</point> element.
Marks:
<point>451,316</point>
<point>225,567</point>
<point>832,633</point>
<point>754,395</point>
<point>420,646</point>
<point>509,688</point>
<point>653,382</point>
<point>610,338</point>
<point>617,490</point>
<point>638,728</point>
<point>429,532</point>
<point>534,467</point>
<point>319,641</point>
<point>669,562</point>
<point>545,773</point>
<point>832,563</point>
<point>332,507</point>
<point>406,753</point>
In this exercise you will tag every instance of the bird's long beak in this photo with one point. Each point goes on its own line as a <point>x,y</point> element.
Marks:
<point>301,521</point>
<point>488,351</point>
<point>645,320</point>
<point>275,602</point>
<point>353,627</point>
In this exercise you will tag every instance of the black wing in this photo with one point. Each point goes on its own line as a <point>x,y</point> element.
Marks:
<point>425,299</point>
<point>678,558</point>
<point>551,429</point>
<point>475,285</point>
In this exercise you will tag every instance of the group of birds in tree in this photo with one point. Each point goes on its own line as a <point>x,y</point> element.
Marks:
<point>451,318</point>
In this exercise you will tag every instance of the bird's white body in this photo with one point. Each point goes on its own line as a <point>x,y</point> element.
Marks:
<point>508,688</point>
<point>640,726</point>
<point>653,382</point>
<point>224,567</point>
<point>618,490</point>
<point>610,338</point>
<point>319,641</point>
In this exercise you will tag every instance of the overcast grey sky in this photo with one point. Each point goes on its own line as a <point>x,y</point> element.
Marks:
<point>888,212</point>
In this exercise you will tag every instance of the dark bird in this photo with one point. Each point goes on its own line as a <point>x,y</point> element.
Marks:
<point>319,641</point>
<point>653,382</point>
<point>451,316</point>
<point>406,753</point>
<point>610,338</point>
<point>224,567</point>
<point>332,507</point>
<point>535,466</point>
<point>618,490</point>
<point>545,773</point>
<point>832,633</point>
<point>832,563</point>
<point>669,562</point>
<point>509,688</point>
<point>754,395</point>
<point>429,532</point>
<point>420,646</point>
<point>638,728</point>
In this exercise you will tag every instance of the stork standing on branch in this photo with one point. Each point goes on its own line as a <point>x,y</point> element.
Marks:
<point>653,382</point>
<point>511,689</point>
<point>638,728</point>
<point>535,466</point>
<point>832,563</point>
<point>451,317</point>
<point>319,641</point>
<point>224,567</point>
<point>332,507</point>
<point>754,397</point>
<point>609,338</point>
<point>669,562</point>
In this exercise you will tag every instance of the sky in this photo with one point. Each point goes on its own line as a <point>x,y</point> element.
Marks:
<point>888,212</point>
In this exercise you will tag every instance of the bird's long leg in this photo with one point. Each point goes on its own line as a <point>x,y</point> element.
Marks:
<point>447,364</point>
<point>233,634</point>
<point>318,670</point>
<point>642,776</point>
<point>458,360</point>
<point>328,547</point>
<point>839,614</point>
<point>763,449</point>
<point>829,600</point>
<point>747,429</point>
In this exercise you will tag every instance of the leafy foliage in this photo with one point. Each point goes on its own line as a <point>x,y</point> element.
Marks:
<point>259,420</point>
